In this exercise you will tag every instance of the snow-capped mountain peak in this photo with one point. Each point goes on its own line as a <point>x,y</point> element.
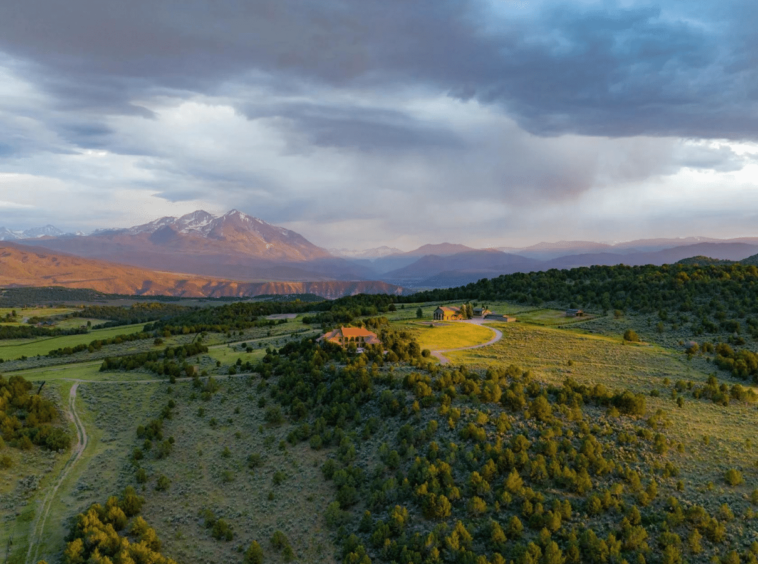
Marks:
<point>196,222</point>
<point>8,235</point>
<point>33,233</point>
<point>46,231</point>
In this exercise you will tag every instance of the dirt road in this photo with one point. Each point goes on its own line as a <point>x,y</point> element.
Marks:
<point>81,443</point>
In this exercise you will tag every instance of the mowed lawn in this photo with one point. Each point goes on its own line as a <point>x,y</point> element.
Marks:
<point>16,348</point>
<point>449,335</point>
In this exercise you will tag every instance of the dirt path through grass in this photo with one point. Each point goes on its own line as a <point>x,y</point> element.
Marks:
<point>36,535</point>
<point>81,444</point>
<point>439,354</point>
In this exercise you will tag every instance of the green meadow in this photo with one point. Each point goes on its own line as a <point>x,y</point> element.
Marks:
<point>17,348</point>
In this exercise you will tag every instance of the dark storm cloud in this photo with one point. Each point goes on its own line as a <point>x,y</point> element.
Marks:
<point>673,69</point>
<point>355,127</point>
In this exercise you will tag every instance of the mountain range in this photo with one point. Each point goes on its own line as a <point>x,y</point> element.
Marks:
<point>25,265</point>
<point>235,246</point>
<point>34,233</point>
<point>242,249</point>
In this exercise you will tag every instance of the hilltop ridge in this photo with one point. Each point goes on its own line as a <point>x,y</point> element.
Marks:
<point>35,266</point>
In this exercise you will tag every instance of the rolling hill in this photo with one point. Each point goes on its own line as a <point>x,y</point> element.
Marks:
<point>36,266</point>
<point>485,263</point>
<point>464,268</point>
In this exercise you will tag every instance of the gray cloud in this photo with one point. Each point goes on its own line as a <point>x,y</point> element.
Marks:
<point>669,69</point>
<point>336,115</point>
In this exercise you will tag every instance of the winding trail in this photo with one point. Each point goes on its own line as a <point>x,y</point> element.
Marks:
<point>439,354</point>
<point>82,440</point>
<point>81,444</point>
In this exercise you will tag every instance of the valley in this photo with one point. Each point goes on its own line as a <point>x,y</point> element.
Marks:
<point>378,282</point>
<point>247,447</point>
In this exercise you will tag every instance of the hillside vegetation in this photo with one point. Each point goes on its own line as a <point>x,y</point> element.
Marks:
<point>244,440</point>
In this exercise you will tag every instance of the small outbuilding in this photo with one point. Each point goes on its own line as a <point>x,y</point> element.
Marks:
<point>574,313</point>
<point>502,318</point>
<point>481,312</point>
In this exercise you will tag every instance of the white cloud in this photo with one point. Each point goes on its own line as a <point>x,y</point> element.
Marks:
<point>323,162</point>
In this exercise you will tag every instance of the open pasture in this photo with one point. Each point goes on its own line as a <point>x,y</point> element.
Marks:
<point>550,317</point>
<point>555,354</point>
<point>83,371</point>
<point>23,312</point>
<point>16,348</point>
<point>227,355</point>
<point>74,322</point>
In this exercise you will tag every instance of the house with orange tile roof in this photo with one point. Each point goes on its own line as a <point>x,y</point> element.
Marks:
<point>345,336</point>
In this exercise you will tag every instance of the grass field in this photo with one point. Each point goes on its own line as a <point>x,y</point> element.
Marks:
<point>229,355</point>
<point>598,359</point>
<point>110,413</point>
<point>16,348</point>
<point>74,322</point>
<point>550,317</point>
<point>208,466</point>
<point>448,335</point>
<point>36,311</point>
<point>85,371</point>
<point>203,478</point>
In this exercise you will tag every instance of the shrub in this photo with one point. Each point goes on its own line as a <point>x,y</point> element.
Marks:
<point>162,483</point>
<point>631,336</point>
<point>222,530</point>
<point>131,503</point>
<point>335,517</point>
<point>254,554</point>
<point>279,540</point>
<point>274,415</point>
<point>733,477</point>
<point>254,460</point>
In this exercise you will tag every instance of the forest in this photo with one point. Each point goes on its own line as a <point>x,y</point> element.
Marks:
<point>703,290</point>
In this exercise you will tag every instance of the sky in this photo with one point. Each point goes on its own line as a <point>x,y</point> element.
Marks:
<point>384,122</point>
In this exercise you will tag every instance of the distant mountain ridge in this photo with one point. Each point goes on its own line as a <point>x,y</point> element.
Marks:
<point>24,265</point>
<point>33,233</point>
<point>234,230</point>
<point>463,268</point>
<point>369,254</point>
<point>241,247</point>
<point>234,245</point>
